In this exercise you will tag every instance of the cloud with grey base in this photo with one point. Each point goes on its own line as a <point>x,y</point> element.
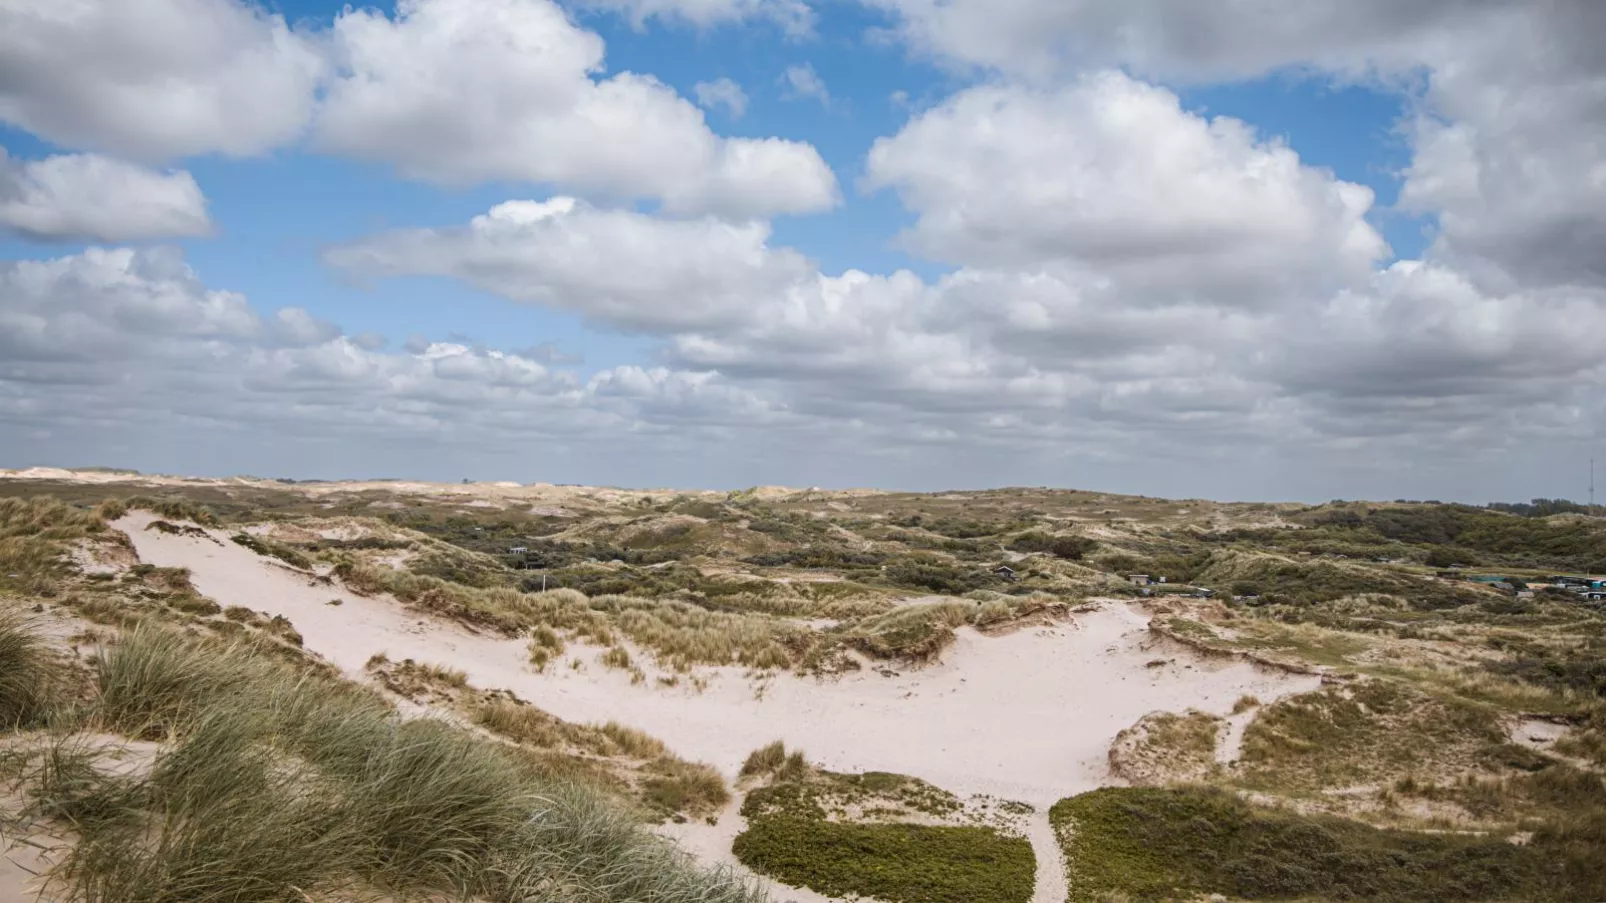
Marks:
<point>90,197</point>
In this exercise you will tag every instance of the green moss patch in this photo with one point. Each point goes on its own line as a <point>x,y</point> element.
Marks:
<point>898,863</point>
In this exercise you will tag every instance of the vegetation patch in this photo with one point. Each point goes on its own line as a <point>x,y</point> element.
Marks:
<point>898,863</point>
<point>1165,747</point>
<point>1144,844</point>
<point>881,835</point>
<point>1372,731</point>
<point>773,760</point>
<point>272,782</point>
<point>29,675</point>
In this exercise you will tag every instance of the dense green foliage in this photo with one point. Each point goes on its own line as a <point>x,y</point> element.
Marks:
<point>1154,844</point>
<point>1497,538</point>
<point>1539,507</point>
<point>898,863</point>
<point>1071,548</point>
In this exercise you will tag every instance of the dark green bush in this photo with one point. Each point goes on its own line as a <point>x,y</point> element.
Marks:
<point>898,863</point>
<point>1154,844</point>
<point>1071,548</point>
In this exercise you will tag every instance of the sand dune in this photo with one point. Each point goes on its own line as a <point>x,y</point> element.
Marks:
<point>1027,716</point>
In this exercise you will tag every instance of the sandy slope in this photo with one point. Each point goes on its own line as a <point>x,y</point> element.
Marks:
<point>1027,716</point>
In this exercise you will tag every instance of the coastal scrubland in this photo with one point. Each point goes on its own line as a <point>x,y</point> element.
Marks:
<point>1453,748</point>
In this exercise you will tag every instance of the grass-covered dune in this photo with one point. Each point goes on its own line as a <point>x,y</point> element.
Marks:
<point>1154,844</point>
<point>272,783</point>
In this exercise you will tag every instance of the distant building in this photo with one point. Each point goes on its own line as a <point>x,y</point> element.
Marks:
<point>517,550</point>
<point>1004,571</point>
<point>1139,579</point>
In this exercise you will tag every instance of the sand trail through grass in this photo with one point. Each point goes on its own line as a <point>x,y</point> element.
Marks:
<point>1026,716</point>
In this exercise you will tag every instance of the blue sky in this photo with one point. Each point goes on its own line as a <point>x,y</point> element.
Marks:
<point>1095,317</point>
<point>275,214</point>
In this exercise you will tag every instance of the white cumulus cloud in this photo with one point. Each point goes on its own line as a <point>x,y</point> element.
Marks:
<point>87,196</point>
<point>803,83</point>
<point>473,90</point>
<point>155,80</point>
<point>624,269</point>
<point>1110,175</point>
<point>721,92</point>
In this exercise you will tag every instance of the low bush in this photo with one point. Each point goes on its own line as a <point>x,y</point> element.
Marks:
<point>674,785</point>
<point>1583,672</point>
<point>1144,844</point>
<point>1071,548</point>
<point>898,863</point>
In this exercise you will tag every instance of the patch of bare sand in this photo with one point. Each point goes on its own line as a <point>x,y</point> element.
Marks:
<point>31,848</point>
<point>26,857</point>
<point>711,845</point>
<point>1027,716</point>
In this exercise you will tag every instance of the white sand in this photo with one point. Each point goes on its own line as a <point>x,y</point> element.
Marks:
<point>25,858</point>
<point>1027,716</point>
<point>1232,740</point>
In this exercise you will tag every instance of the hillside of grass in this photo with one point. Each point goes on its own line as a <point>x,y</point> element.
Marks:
<point>271,782</point>
<point>1150,844</point>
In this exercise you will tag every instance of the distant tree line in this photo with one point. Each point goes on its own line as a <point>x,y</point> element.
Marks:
<point>1539,507</point>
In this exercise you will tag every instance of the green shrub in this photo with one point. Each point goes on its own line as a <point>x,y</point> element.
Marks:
<point>1071,548</point>
<point>1154,844</point>
<point>674,785</point>
<point>898,863</point>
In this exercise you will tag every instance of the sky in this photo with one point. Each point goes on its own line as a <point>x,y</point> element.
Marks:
<point>1238,250</point>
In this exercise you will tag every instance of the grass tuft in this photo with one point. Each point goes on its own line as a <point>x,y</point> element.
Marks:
<point>29,675</point>
<point>775,761</point>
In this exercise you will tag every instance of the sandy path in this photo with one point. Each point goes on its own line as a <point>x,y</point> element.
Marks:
<point>711,844</point>
<point>1232,737</point>
<point>1028,716</point>
<point>1050,884</point>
